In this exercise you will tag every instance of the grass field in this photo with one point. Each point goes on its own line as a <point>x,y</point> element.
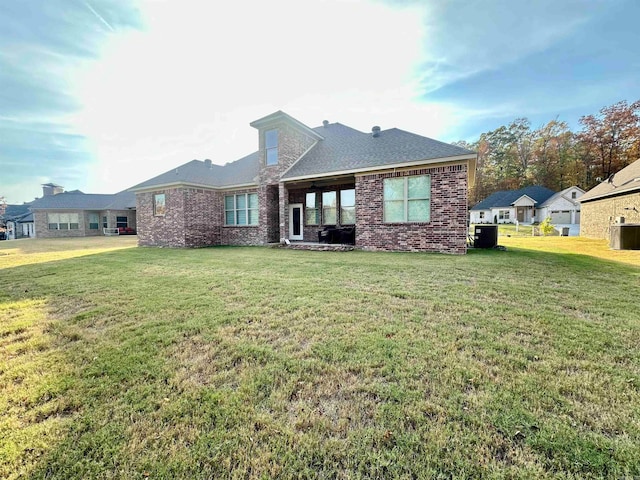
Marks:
<point>124,362</point>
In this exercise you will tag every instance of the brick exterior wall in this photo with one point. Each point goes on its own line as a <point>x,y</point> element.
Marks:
<point>292,143</point>
<point>161,231</point>
<point>446,232</point>
<point>597,216</point>
<point>244,234</point>
<point>41,223</point>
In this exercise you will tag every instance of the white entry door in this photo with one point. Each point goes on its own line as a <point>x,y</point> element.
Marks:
<point>295,221</point>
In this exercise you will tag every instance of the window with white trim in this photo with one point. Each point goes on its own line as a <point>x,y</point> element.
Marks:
<point>94,219</point>
<point>159,205</point>
<point>63,221</point>
<point>481,215</point>
<point>407,199</point>
<point>122,222</point>
<point>271,146</point>
<point>329,212</point>
<point>503,214</point>
<point>312,212</point>
<point>241,209</point>
<point>347,207</point>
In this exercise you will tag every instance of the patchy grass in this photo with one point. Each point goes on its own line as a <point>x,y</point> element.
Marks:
<point>268,363</point>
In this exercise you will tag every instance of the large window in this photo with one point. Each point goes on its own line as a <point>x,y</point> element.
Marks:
<point>312,210</point>
<point>159,208</point>
<point>241,209</point>
<point>271,146</point>
<point>329,208</point>
<point>122,222</point>
<point>94,218</point>
<point>503,214</point>
<point>62,221</point>
<point>407,199</point>
<point>347,207</point>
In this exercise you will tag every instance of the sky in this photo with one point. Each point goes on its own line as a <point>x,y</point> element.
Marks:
<point>100,95</point>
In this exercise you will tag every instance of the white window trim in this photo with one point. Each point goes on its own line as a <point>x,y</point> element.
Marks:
<point>236,209</point>
<point>406,201</point>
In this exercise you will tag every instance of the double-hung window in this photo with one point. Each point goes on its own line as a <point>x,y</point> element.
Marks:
<point>347,207</point>
<point>503,214</point>
<point>271,146</point>
<point>241,209</point>
<point>329,208</point>
<point>312,210</point>
<point>407,199</point>
<point>94,218</point>
<point>122,222</point>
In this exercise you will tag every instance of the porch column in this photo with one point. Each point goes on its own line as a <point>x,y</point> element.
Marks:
<point>284,210</point>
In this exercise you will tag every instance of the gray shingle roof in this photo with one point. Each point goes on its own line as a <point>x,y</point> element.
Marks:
<point>345,149</point>
<point>505,198</point>
<point>624,181</point>
<point>77,200</point>
<point>339,148</point>
<point>240,172</point>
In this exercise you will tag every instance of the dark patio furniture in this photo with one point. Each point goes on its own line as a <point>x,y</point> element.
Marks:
<point>343,235</point>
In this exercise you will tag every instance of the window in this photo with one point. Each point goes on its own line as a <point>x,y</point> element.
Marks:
<point>271,146</point>
<point>481,215</point>
<point>159,208</point>
<point>347,207</point>
<point>329,208</point>
<point>63,221</point>
<point>104,222</point>
<point>241,209</point>
<point>573,195</point>
<point>503,214</point>
<point>312,210</point>
<point>94,218</point>
<point>122,222</point>
<point>407,199</point>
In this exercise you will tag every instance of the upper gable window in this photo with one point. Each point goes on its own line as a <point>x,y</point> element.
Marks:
<point>573,194</point>
<point>271,146</point>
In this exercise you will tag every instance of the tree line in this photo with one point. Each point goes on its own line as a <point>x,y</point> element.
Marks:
<point>515,155</point>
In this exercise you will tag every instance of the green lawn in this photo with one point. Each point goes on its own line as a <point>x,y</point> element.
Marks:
<point>123,362</point>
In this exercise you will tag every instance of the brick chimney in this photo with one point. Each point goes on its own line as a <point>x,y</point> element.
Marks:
<point>51,189</point>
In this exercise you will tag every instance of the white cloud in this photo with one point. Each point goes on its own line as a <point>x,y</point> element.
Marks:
<point>189,83</point>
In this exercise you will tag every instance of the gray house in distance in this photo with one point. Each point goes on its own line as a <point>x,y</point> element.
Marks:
<point>77,214</point>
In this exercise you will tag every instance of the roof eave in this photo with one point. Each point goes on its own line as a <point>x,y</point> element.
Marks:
<point>160,186</point>
<point>382,167</point>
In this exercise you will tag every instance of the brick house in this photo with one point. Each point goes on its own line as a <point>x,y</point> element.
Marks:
<point>604,204</point>
<point>59,214</point>
<point>387,190</point>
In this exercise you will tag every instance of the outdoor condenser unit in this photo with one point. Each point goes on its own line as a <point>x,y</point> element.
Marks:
<point>485,236</point>
<point>625,236</point>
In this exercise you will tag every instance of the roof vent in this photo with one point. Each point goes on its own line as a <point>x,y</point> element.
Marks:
<point>325,123</point>
<point>375,131</point>
<point>208,164</point>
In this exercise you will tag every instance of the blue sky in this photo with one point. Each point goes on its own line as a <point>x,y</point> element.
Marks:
<point>100,95</point>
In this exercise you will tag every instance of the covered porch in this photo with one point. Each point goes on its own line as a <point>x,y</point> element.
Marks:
<point>319,214</point>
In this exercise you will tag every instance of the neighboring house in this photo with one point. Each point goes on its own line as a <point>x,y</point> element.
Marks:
<point>78,214</point>
<point>604,204</point>
<point>398,190</point>
<point>529,205</point>
<point>17,221</point>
